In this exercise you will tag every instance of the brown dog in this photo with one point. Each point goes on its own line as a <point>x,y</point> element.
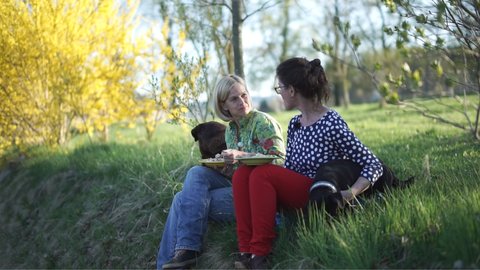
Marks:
<point>211,141</point>
<point>210,137</point>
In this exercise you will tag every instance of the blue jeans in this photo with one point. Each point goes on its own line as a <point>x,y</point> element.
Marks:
<point>206,194</point>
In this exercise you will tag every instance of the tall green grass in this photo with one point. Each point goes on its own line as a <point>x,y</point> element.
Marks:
<point>96,205</point>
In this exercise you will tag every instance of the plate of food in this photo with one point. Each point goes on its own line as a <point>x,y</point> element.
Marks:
<point>258,159</point>
<point>213,162</point>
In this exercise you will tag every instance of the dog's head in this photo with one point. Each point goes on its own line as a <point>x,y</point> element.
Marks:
<point>325,194</point>
<point>330,178</point>
<point>210,137</point>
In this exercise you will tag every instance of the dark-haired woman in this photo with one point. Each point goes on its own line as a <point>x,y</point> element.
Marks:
<point>316,136</point>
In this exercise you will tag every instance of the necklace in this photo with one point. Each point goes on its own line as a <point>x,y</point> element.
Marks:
<point>239,143</point>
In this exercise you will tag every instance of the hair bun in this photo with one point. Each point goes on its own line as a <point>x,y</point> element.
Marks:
<point>315,62</point>
<point>315,66</point>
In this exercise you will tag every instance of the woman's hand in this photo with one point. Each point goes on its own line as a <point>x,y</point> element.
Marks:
<point>358,187</point>
<point>229,155</point>
<point>347,195</point>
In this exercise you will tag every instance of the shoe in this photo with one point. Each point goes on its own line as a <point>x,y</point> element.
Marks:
<point>183,259</point>
<point>242,261</point>
<point>259,262</point>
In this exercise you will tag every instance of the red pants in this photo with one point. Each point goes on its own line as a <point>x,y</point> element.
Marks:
<point>256,193</point>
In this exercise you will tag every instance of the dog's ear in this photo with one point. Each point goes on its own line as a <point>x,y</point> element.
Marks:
<point>324,195</point>
<point>317,196</point>
<point>332,203</point>
<point>196,130</point>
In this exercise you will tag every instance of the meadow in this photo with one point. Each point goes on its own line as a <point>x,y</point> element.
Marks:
<point>103,205</point>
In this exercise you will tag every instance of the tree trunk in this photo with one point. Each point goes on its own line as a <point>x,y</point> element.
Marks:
<point>476,128</point>
<point>382,103</point>
<point>237,22</point>
<point>286,22</point>
<point>64,130</point>
<point>337,95</point>
<point>105,133</point>
<point>339,82</point>
<point>346,90</point>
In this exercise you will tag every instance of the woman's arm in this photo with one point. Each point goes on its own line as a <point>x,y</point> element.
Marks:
<point>355,150</point>
<point>356,189</point>
<point>268,137</point>
<point>263,135</point>
<point>346,141</point>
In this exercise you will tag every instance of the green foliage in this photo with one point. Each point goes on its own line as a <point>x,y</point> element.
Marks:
<point>322,47</point>
<point>444,64</point>
<point>104,205</point>
<point>447,29</point>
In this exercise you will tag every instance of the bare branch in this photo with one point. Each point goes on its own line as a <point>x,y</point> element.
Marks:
<point>205,3</point>
<point>264,6</point>
<point>475,16</point>
<point>427,113</point>
<point>439,101</point>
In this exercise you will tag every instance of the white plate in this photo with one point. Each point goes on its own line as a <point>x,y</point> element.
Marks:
<point>256,160</point>
<point>212,162</point>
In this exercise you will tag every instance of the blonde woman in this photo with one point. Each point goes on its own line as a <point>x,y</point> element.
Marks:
<point>207,193</point>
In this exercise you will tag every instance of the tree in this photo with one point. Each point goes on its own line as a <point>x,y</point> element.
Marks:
<point>342,47</point>
<point>214,29</point>
<point>66,65</point>
<point>239,15</point>
<point>63,60</point>
<point>452,30</point>
<point>449,34</point>
<point>206,30</point>
<point>340,85</point>
<point>237,40</point>
<point>173,82</point>
<point>281,38</point>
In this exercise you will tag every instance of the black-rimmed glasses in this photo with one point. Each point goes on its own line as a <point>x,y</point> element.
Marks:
<point>278,89</point>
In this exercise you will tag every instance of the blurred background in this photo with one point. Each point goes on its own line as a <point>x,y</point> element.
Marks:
<point>78,67</point>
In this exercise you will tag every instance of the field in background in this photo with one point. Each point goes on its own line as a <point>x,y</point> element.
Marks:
<point>94,205</point>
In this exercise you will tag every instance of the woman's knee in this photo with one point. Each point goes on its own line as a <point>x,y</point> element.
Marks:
<point>221,205</point>
<point>195,171</point>
<point>241,174</point>
<point>264,173</point>
<point>196,174</point>
<point>177,200</point>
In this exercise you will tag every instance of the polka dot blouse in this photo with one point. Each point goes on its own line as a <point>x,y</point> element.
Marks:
<point>327,139</point>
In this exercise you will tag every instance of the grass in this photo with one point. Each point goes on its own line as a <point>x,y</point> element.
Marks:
<point>97,206</point>
<point>94,205</point>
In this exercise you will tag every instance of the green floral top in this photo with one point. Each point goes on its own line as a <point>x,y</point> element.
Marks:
<point>259,133</point>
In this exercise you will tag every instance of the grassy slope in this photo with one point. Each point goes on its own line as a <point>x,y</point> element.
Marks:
<point>103,205</point>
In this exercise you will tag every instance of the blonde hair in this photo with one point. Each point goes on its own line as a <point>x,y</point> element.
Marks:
<point>222,90</point>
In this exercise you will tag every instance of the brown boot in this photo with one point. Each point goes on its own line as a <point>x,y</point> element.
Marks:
<point>183,259</point>
<point>242,261</point>
<point>259,262</point>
